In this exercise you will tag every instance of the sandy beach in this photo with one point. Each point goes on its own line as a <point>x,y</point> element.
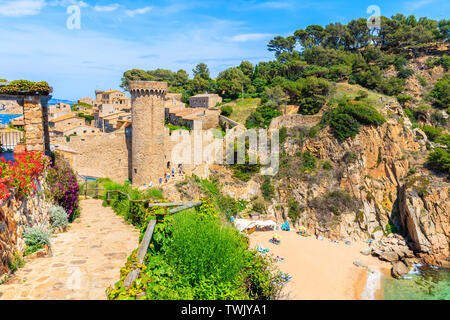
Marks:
<point>320,269</point>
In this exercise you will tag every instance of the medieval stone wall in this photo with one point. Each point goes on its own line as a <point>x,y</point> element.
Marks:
<point>294,121</point>
<point>106,153</point>
<point>15,215</point>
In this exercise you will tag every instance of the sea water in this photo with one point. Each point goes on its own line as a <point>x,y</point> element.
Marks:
<point>6,118</point>
<point>422,283</point>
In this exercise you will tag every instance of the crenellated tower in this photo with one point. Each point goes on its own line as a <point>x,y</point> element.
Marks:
<point>147,112</point>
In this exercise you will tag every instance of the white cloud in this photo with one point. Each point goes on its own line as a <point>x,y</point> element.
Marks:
<point>132,13</point>
<point>107,8</point>
<point>20,8</point>
<point>78,70</point>
<point>250,37</point>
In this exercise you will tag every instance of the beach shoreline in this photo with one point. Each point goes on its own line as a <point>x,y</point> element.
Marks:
<point>321,269</point>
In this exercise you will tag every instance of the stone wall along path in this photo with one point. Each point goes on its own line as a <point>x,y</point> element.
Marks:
<point>86,259</point>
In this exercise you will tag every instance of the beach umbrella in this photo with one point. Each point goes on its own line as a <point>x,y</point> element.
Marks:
<point>276,236</point>
<point>302,228</point>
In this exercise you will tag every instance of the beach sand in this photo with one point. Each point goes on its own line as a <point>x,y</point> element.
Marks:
<point>320,269</point>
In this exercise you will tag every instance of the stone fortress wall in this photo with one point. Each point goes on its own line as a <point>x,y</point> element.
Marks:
<point>141,152</point>
<point>147,117</point>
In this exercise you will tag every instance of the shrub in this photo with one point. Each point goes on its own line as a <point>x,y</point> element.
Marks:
<point>201,249</point>
<point>346,119</point>
<point>35,238</point>
<point>441,92</point>
<point>25,87</point>
<point>309,162</point>
<point>333,204</point>
<point>344,126</point>
<point>362,94</point>
<point>432,132</point>
<point>21,174</point>
<point>405,73</point>
<point>403,98</point>
<point>267,189</point>
<point>259,206</point>
<point>294,210</point>
<point>282,135</point>
<point>422,81</point>
<point>226,111</point>
<point>327,165</point>
<point>58,217</point>
<point>63,187</point>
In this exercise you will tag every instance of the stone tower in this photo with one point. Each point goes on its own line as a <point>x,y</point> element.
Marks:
<point>147,115</point>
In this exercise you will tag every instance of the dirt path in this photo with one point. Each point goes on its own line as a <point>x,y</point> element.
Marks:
<point>86,259</point>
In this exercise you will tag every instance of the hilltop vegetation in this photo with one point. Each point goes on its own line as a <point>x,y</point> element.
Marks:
<point>316,67</point>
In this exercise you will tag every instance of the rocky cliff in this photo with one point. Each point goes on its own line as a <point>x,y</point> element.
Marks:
<point>374,186</point>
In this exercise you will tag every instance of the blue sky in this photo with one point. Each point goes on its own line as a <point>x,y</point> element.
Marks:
<point>119,35</point>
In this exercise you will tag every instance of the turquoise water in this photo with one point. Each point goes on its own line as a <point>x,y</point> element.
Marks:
<point>6,118</point>
<point>423,283</point>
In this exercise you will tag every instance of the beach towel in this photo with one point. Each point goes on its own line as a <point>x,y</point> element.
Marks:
<point>261,249</point>
<point>277,242</point>
<point>285,226</point>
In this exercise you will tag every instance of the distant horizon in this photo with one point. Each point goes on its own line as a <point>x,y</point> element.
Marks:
<point>116,36</point>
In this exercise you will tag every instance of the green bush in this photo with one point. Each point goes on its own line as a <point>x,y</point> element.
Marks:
<point>439,160</point>
<point>267,189</point>
<point>346,119</point>
<point>405,73</point>
<point>344,126</point>
<point>441,93</point>
<point>194,256</point>
<point>309,162</point>
<point>283,135</point>
<point>327,165</point>
<point>58,217</point>
<point>422,81</point>
<point>403,98</point>
<point>202,249</point>
<point>333,204</point>
<point>226,111</point>
<point>433,133</point>
<point>35,238</point>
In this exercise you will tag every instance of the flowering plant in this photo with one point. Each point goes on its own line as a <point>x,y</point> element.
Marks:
<point>21,174</point>
<point>63,187</point>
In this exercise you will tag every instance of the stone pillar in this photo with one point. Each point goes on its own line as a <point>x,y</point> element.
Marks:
<point>147,112</point>
<point>35,115</point>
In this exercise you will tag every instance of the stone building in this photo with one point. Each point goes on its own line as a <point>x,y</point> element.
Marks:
<point>59,110</point>
<point>86,100</point>
<point>66,121</point>
<point>141,149</point>
<point>112,97</point>
<point>207,100</point>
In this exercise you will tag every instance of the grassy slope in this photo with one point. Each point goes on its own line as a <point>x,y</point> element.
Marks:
<point>351,90</point>
<point>242,111</point>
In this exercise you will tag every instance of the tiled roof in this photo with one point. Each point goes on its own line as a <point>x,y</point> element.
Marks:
<point>62,118</point>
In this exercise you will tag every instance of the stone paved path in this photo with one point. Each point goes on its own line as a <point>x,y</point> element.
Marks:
<point>86,259</point>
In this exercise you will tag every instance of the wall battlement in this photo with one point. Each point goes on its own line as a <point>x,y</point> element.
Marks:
<point>148,87</point>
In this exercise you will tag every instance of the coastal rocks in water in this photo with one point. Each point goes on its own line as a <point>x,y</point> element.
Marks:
<point>424,209</point>
<point>399,269</point>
